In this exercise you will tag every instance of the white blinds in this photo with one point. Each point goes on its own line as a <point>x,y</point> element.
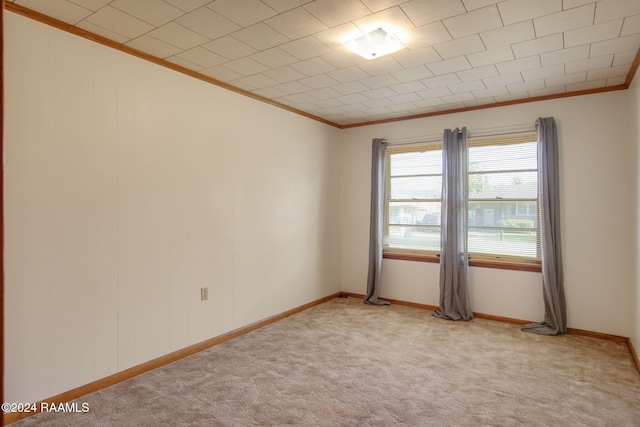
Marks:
<point>412,203</point>
<point>503,197</point>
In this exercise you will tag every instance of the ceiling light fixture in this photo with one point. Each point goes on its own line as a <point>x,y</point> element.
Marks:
<point>375,44</point>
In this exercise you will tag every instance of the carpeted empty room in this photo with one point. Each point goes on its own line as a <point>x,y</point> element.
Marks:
<point>347,363</point>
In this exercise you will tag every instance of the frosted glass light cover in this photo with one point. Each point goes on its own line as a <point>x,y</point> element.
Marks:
<point>375,44</point>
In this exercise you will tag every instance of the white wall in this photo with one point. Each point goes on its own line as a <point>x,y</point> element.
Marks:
<point>128,188</point>
<point>634,299</point>
<point>597,177</point>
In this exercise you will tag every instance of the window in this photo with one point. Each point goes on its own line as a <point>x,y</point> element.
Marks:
<point>412,201</point>
<point>503,204</point>
<point>503,198</point>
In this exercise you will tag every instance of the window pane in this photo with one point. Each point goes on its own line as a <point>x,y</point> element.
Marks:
<point>503,157</point>
<point>416,163</point>
<point>414,213</point>
<point>512,243</point>
<point>508,185</point>
<point>503,214</point>
<point>421,187</point>
<point>413,237</point>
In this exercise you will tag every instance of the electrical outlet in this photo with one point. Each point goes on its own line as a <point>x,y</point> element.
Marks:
<point>204,294</point>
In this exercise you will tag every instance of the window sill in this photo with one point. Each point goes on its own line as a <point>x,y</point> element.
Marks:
<point>484,263</point>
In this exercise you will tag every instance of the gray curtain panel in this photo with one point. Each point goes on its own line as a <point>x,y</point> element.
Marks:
<point>555,311</point>
<point>455,301</point>
<point>378,166</point>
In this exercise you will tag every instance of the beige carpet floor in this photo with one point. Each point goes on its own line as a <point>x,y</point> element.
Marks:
<point>344,363</point>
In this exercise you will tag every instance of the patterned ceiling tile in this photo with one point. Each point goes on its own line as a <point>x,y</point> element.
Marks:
<point>467,87</point>
<point>258,81</point>
<point>155,12</point>
<point>631,25</point>
<point>459,47</point>
<point>93,4</point>
<point>335,37</point>
<point>608,10</point>
<point>516,65</point>
<point>62,10</point>
<point>621,44</point>
<point>606,31</point>
<point>619,71</point>
<point>485,72</point>
<point>293,87</point>
<point>408,87</point>
<point>208,23</point>
<point>479,20</point>
<point>313,67</point>
<point>284,74</point>
<point>243,12</point>
<point>404,98</point>
<point>349,74</point>
<point>564,21</point>
<point>153,46</point>
<point>508,35</point>
<point>393,20</point>
<point>188,5</point>
<point>570,4</point>
<point>566,55</point>
<point>343,59</point>
<point>179,36</point>
<point>427,11</point>
<point>426,35</point>
<point>351,88</point>
<point>336,12</point>
<point>513,11</point>
<point>623,58</point>
<point>477,4</point>
<point>537,46</point>
<point>505,79</point>
<point>490,92</point>
<point>246,66</point>
<point>260,36</point>
<point>596,63</point>
<point>296,23</point>
<point>325,93</point>
<point>202,57</point>
<point>566,79</point>
<point>382,92</point>
<point>119,22</point>
<point>318,81</point>
<point>284,5</point>
<point>381,66</point>
<point>305,48</point>
<point>229,47</point>
<point>380,81</point>
<point>543,73</point>
<point>440,81</point>
<point>414,57</point>
<point>491,56</point>
<point>449,66</point>
<point>274,57</point>
<point>411,74</point>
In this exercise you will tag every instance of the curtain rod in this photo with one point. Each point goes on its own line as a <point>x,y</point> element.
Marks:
<point>503,130</point>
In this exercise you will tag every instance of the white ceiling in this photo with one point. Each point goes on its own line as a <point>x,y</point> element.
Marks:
<point>459,54</point>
